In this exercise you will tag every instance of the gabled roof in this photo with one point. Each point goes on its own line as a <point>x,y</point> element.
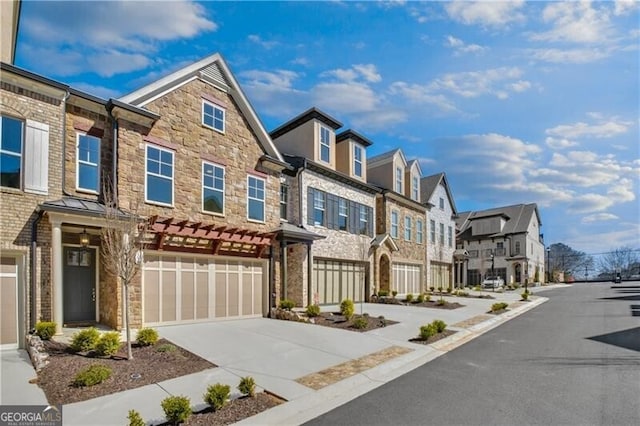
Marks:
<point>385,157</point>
<point>214,70</point>
<point>416,163</point>
<point>517,217</point>
<point>429,184</point>
<point>310,114</point>
<point>352,134</point>
<point>381,239</point>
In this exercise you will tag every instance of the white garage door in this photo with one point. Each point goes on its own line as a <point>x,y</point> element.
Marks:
<point>406,278</point>
<point>8,303</point>
<point>337,281</point>
<point>187,289</point>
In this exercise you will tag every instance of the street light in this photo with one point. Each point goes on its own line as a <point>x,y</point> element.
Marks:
<point>548,263</point>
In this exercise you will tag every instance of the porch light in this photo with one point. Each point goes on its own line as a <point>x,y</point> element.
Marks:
<point>84,238</point>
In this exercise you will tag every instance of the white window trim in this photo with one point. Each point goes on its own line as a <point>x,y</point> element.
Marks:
<point>415,193</point>
<point>224,189</point>
<point>286,203</point>
<point>23,137</point>
<point>320,196</point>
<point>173,173</point>
<point>224,116</point>
<point>321,144</point>
<point>407,229</point>
<point>419,231</point>
<point>264,200</point>
<point>356,161</point>
<point>395,224</point>
<point>78,188</point>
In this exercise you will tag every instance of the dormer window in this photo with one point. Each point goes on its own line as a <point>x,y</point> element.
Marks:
<point>399,180</point>
<point>414,188</point>
<point>357,160</point>
<point>325,145</point>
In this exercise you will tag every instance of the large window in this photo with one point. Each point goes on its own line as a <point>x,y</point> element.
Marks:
<point>212,188</point>
<point>407,228</point>
<point>88,165</point>
<point>441,203</point>
<point>432,230</point>
<point>394,224</point>
<point>517,248</point>
<point>399,180</point>
<point>318,208</point>
<point>450,236</point>
<point>338,213</point>
<point>442,234</point>
<point>255,198</point>
<point>284,200</point>
<point>325,144</point>
<point>415,189</point>
<point>343,214</point>
<point>357,160</point>
<point>364,221</point>
<point>419,231</point>
<point>159,176</point>
<point>213,116</point>
<point>11,153</point>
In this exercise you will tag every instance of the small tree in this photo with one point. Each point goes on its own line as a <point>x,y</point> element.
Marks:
<point>121,248</point>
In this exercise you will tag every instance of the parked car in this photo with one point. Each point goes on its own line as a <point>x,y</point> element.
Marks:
<point>493,282</point>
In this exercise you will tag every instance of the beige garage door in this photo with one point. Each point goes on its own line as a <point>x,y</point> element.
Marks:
<point>406,278</point>
<point>8,303</point>
<point>187,289</point>
<point>337,281</point>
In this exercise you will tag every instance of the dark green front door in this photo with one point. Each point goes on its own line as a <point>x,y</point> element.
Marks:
<point>79,276</point>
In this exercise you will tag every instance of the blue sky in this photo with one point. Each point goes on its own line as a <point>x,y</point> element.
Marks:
<point>516,101</point>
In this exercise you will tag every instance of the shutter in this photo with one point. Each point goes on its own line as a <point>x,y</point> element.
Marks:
<point>370,221</point>
<point>36,158</point>
<point>332,211</point>
<point>310,206</point>
<point>354,217</point>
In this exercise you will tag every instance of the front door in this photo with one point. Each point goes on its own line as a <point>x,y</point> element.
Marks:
<point>79,276</point>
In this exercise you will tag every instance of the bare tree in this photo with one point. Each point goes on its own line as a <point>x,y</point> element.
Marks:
<point>121,248</point>
<point>621,259</point>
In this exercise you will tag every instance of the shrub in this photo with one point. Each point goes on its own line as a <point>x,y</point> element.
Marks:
<point>499,306</point>
<point>347,308</point>
<point>85,340</point>
<point>525,295</point>
<point>394,293</point>
<point>427,331</point>
<point>449,290</point>
<point>441,302</point>
<point>409,298</point>
<point>217,395</point>
<point>420,298</point>
<point>108,344</point>
<point>360,323</point>
<point>45,329</point>
<point>92,375</point>
<point>383,321</point>
<point>439,325</point>
<point>177,409</point>
<point>383,293</point>
<point>427,297</point>
<point>432,288</point>
<point>462,293</point>
<point>287,304</point>
<point>313,310</point>
<point>477,288</point>
<point>166,347</point>
<point>135,419</point>
<point>147,337</point>
<point>247,386</point>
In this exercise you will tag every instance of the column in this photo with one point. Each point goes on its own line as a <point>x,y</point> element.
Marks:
<point>309,275</point>
<point>56,275</point>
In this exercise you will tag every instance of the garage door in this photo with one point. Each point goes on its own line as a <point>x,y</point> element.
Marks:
<point>337,281</point>
<point>8,303</point>
<point>407,278</point>
<point>186,289</point>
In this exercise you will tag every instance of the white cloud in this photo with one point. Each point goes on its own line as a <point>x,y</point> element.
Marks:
<point>99,91</point>
<point>488,14</point>
<point>459,47</point>
<point>588,203</point>
<point>263,43</point>
<point>575,21</point>
<point>263,87</point>
<point>419,94</point>
<point>623,7</point>
<point>477,83</point>
<point>573,56</point>
<point>599,217</point>
<point>561,143</point>
<point>603,129</point>
<point>368,72</point>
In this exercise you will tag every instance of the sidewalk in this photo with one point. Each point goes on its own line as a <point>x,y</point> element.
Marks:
<point>281,355</point>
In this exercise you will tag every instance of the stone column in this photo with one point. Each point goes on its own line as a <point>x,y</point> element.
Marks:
<point>56,275</point>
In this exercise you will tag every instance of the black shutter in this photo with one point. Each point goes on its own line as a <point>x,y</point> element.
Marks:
<point>331,212</point>
<point>353,217</point>
<point>310,192</point>
<point>370,221</point>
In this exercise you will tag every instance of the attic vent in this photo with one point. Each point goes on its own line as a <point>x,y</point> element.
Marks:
<point>214,74</point>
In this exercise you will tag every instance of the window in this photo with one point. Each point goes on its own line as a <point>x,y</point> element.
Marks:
<point>255,198</point>
<point>159,176</point>
<point>212,188</point>
<point>325,144</point>
<point>88,165</point>
<point>213,116</point>
<point>394,224</point>
<point>364,220</point>
<point>442,234</point>
<point>419,231</point>
<point>414,188</point>
<point>284,200</point>
<point>399,180</point>
<point>318,208</point>
<point>11,153</point>
<point>450,236</point>
<point>432,226</point>
<point>407,228</point>
<point>441,203</point>
<point>343,214</point>
<point>517,247</point>
<point>357,160</point>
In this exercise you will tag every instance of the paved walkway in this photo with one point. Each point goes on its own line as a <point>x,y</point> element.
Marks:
<point>283,357</point>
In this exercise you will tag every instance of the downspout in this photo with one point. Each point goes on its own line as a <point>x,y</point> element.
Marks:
<point>34,266</point>
<point>64,143</point>
<point>271,279</point>
<point>114,159</point>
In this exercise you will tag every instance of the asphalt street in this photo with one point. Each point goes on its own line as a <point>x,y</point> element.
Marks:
<point>574,360</point>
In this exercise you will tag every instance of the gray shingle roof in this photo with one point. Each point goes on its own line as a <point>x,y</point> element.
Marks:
<point>429,184</point>
<point>518,218</point>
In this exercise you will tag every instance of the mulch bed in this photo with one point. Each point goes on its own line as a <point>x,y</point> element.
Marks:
<point>433,339</point>
<point>498,312</point>
<point>235,410</point>
<point>337,320</point>
<point>152,366</point>
<point>436,304</point>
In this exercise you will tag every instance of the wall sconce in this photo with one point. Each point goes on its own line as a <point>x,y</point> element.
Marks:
<point>84,238</point>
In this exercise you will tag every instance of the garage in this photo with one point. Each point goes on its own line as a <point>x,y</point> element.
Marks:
<point>8,303</point>
<point>407,278</point>
<point>179,289</point>
<point>338,280</point>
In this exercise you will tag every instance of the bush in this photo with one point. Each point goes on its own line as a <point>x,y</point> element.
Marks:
<point>477,288</point>
<point>217,395</point>
<point>383,321</point>
<point>383,293</point>
<point>420,298</point>
<point>92,375</point>
<point>45,329</point>
<point>427,331</point>
<point>147,337</point>
<point>247,386</point>
<point>177,409</point>
<point>313,311</point>
<point>394,293</point>
<point>135,419</point>
<point>409,298</point>
<point>166,347</point>
<point>108,344</point>
<point>461,293</point>
<point>85,340</point>
<point>347,308</point>
<point>427,298</point>
<point>525,295</point>
<point>499,306</point>
<point>441,302</point>
<point>360,323</point>
<point>432,288</point>
<point>439,325</point>
<point>287,304</point>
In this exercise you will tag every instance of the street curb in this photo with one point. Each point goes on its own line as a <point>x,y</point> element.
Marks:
<point>330,397</point>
